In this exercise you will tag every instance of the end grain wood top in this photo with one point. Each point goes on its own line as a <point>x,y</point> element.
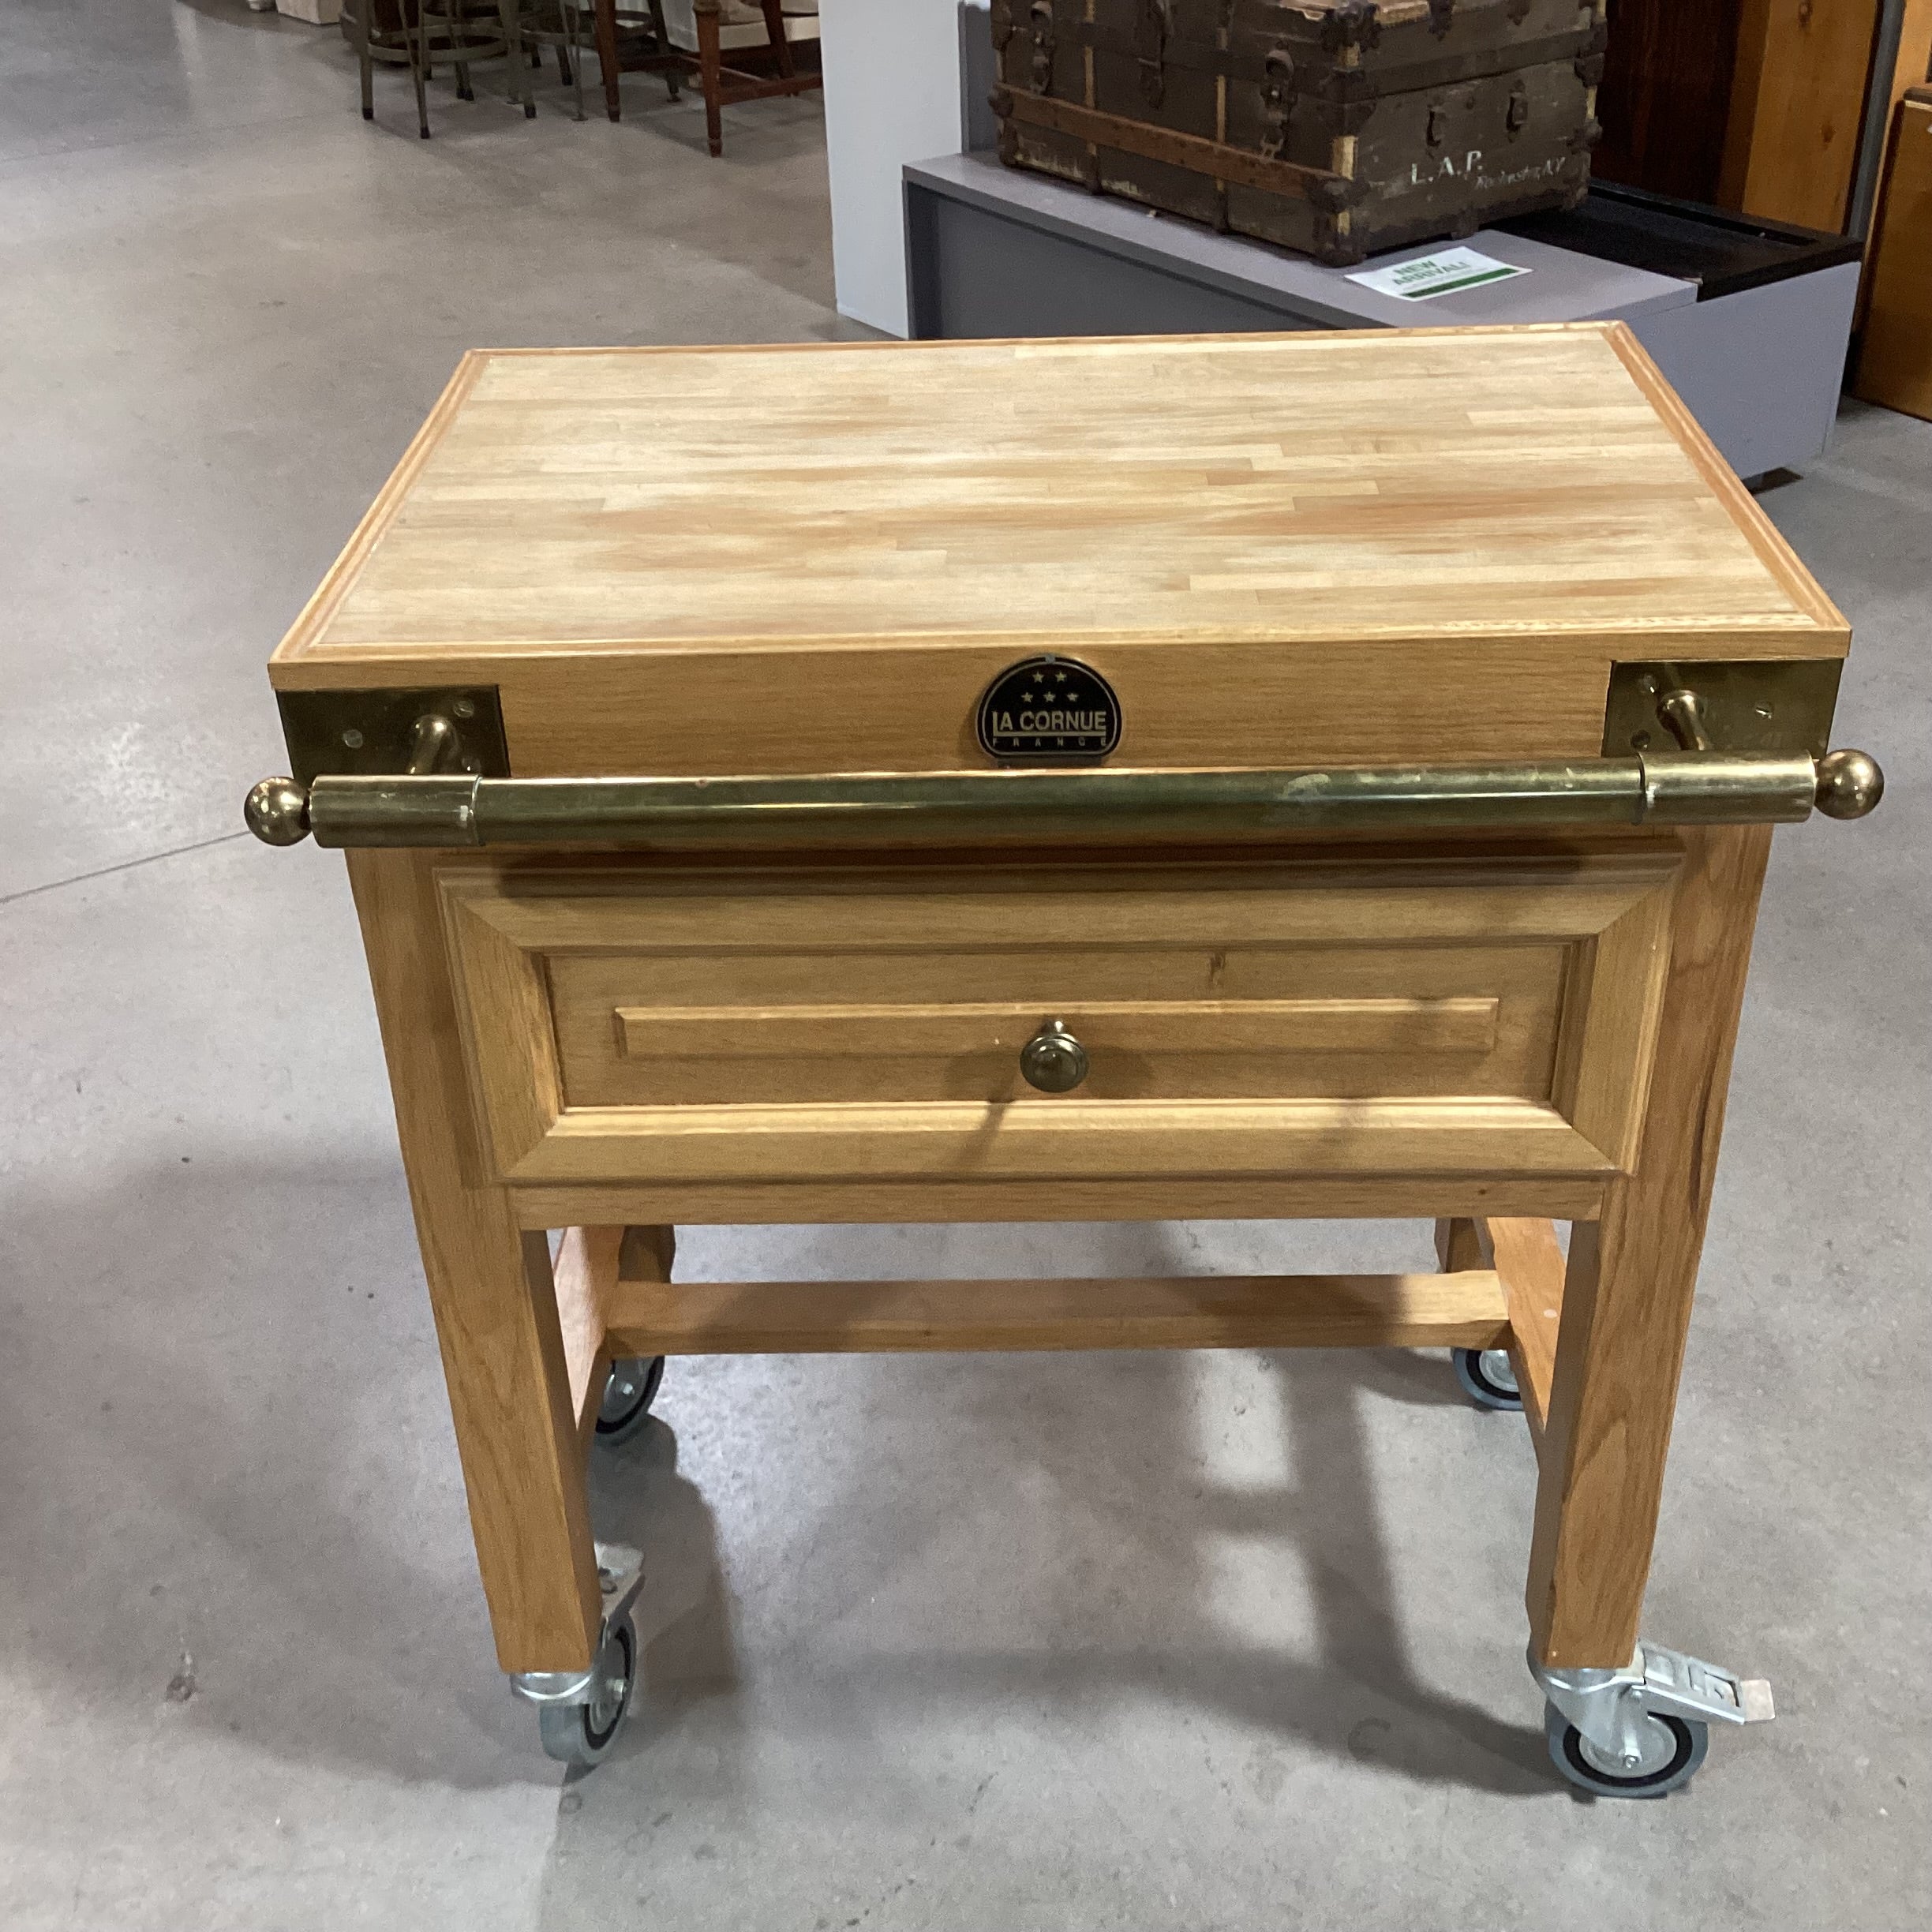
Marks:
<point>1453,483</point>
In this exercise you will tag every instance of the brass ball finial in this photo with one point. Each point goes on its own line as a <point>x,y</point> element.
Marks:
<point>277,811</point>
<point>1849,783</point>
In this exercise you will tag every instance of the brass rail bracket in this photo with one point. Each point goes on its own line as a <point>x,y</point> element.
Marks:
<point>371,734</point>
<point>1774,705</point>
<point>430,768</point>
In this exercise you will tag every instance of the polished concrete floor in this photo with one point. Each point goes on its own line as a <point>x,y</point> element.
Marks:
<point>1229,1641</point>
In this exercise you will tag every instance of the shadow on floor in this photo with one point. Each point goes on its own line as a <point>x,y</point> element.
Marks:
<point>259,1476</point>
<point>1331,1514</point>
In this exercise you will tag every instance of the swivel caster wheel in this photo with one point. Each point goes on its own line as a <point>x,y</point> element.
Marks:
<point>1487,1378</point>
<point>582,1734</point>
<point>628,1397</point>
<point>1665,1754</point>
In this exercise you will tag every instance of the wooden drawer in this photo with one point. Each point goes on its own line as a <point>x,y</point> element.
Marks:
<point>1393,1015</point>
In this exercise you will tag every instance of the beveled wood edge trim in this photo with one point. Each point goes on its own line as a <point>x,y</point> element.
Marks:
<point>1610,885</point>
<point>1593,859</point>
<point>1527,1258</point>
<point>1453,1024</point>
<point>1150,1139</point>
<point>952,1200</point>
<point>1060,1117</point>
<point>388,890</point>
<point>1462,1310</point>
<point>1245,343</point>
<point>1581,978</point>
<point>1623,861</point>
<point>1771,635</point>
<point>474,942</point>
<point>1573,1001</point>
<point>1746,512</point>
<point>327,599</point>
<point>1637,943</point>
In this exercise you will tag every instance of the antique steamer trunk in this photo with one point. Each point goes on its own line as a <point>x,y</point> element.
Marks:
<point>1336,127</point>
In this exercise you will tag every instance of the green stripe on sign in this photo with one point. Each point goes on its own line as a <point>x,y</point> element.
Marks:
<point>1463,282</point>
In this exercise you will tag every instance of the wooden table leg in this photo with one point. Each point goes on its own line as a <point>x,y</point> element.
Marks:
<point>607,55</point>
<point>710,63</point>
<point>490,1289</point>
<point>775,35</point>
<point>672,67</point>
<point>1456,1246</point>
<point>1627,1297</point>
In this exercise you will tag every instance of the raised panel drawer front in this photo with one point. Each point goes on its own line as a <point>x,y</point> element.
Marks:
<point>1485,1014</point>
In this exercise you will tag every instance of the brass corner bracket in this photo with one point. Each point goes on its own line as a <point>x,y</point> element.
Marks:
<point>371,734</point>
<point>1780,706</point>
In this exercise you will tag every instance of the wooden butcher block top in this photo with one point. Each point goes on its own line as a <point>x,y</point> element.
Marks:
<point>1279,550</point>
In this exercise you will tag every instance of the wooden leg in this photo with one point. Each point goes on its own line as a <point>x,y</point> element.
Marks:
<point>775,34</point>
<point>667,52</point>
<point>710,61</point>
<point>648,1254</point>
<point>607,54</point>
<point>586,1275</point>
<point>1529,1263</point>
<point>1627,1297</point>
<point>1457,1248</point>
<point>587,1269</point>
<point>490,1289</point>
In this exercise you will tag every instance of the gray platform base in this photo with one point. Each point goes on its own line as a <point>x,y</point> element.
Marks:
<point>991,252</point>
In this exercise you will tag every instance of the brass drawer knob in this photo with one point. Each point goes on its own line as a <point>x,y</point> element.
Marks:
<point>1053,1060</point>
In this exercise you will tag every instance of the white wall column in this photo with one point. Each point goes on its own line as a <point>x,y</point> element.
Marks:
<point>892,95</point>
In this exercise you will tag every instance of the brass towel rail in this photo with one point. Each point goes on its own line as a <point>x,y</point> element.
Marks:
<point>1105,807</point>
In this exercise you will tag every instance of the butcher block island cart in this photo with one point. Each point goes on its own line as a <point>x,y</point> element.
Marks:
<point>1309,776</point>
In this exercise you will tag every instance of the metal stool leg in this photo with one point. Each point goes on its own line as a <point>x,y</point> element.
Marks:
<point>365,60</point>
<point>417,39</point>
<point>512,15</point>
<point>573,25</point>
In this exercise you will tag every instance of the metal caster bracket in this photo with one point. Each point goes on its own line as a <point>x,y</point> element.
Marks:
<point>1611,1709</point>
<point>620,1576</point>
